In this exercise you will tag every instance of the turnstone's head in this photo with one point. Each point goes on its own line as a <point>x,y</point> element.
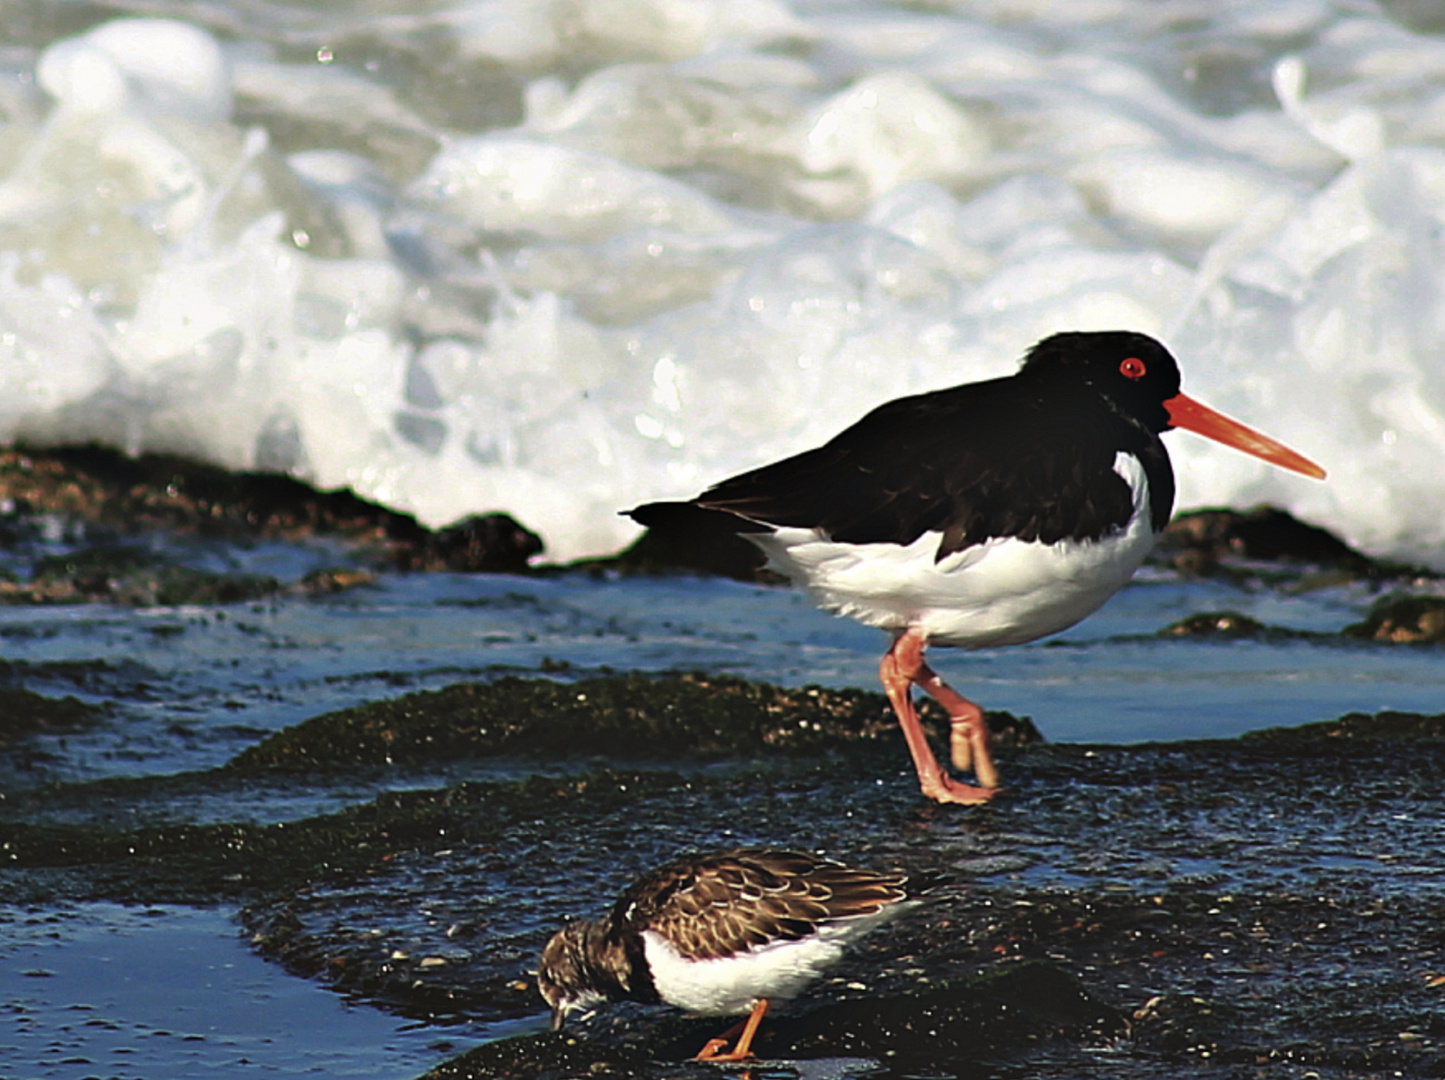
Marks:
<point>566,974</point>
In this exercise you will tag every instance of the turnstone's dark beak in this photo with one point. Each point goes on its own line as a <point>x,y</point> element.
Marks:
<point>1185,412</point>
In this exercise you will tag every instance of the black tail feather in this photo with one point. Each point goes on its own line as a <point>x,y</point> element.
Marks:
<point>685,536</point>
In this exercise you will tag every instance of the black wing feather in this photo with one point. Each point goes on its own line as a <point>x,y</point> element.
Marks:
<point>974,462</point>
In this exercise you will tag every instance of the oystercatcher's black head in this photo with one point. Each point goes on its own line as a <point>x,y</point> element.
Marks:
<point>1137,377</point>
<point>1132,372</point>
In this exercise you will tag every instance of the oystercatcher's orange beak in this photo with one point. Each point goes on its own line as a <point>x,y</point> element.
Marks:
<point>1185,412</point>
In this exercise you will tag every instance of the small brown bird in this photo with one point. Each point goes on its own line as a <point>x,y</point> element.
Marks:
<point>719,934</point>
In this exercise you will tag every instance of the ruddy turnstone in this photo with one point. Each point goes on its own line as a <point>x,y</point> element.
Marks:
<point>718,934</point>
<point>988,514</point>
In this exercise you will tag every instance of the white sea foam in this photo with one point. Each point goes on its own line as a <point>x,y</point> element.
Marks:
<point>562,257</point>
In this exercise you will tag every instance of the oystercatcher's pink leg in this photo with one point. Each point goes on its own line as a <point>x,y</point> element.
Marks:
<point>903,666</point>
<point>968,731</point>
<point>749,1027</point>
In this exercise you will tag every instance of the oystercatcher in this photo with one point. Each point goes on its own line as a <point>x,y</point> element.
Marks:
<point>718,934</point>
<point>988,514</point>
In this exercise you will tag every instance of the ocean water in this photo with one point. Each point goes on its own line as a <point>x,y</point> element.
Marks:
<point>558,257</point>
<point>96,990</point>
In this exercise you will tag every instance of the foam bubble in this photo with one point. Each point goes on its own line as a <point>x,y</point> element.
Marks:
<point>888,129</point>
<point>501,183</point>
<point>540,31</point>
<point>153,65</point>
<point>40,322</point>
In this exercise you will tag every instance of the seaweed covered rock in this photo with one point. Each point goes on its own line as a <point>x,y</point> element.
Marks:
<point>94,486</point>
<point>625,715</point>
<point>1219,625</point>
<point>974,1022</point>
<point>24,713</point>
<point>1208,542</point>
<point>122,574</point>
<point>1403,620</point>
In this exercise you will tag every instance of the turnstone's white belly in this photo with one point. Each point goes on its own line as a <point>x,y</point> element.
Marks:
<point>727,985</point>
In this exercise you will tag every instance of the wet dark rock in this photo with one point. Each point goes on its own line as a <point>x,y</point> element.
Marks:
<point>175,585</point>
<point>1410,620</point>
<point>970,1022</point>
<point>1205,543</point>
<point>24,713</point>
<point>1400,620</point>
<point>91,569</point>
<point>482,543</point>
<point>1233,626</point>
<point>131,576</point>
<point>190,862</point>
<point>1265,900</point>
<point>959,1020</point>
<point>331,581</point>
<point>630,716</point>
<point>1381,726</point>
<point>95,677</point>
<point>101,488</point>
<point>1006,729</point>
<point>1183,1023</point>
<point>1228,625</point>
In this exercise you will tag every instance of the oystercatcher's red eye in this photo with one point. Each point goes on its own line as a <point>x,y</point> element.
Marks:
<point>1131,367</point>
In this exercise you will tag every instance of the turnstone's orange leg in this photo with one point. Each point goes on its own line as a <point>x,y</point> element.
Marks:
<point>749,1027</point>
<point>903,666</point>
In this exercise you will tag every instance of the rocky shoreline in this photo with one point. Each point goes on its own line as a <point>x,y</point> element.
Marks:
<point>1223,907</point>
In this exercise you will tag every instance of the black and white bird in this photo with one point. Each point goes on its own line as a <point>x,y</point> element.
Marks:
<point>987,514</point>
<point>718,934</point>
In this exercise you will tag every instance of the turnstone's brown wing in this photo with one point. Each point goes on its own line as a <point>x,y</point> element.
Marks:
<point>717,905</point>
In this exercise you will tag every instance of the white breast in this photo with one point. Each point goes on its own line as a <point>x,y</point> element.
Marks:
<point>1001,592</point>
<point>733,984</point>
